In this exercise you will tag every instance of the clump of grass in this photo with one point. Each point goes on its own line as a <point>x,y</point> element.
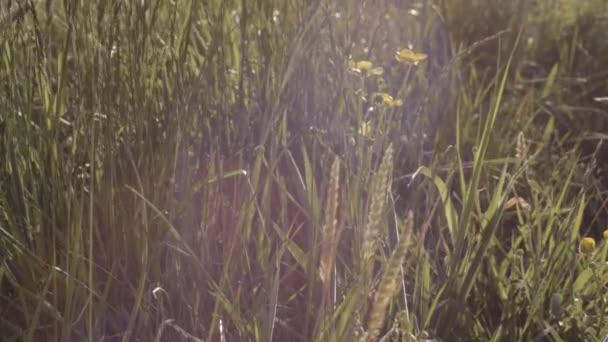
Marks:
<point>176,171</point>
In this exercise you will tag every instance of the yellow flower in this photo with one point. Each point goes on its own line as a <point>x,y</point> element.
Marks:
<point>361,66</point>
<point>587,245</point>
<point>365,128</point>
<point>406,56</point>
<point>364,65</point>
<point>389,101</point>
<point>605,234</point>
<point>377,71</point>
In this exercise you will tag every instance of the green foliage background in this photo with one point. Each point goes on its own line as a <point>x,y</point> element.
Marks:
<point>165,170</point>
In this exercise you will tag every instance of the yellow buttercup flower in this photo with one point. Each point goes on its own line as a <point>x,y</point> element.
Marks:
<point>605,234</point>
<point>377,71</point>
<point>361,66</point>
<point>587,245</point>
<point>389,101</point>
<point>364,65</point>
<point>407,56</point>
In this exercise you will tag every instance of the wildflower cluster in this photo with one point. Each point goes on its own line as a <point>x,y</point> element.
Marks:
<point>587,245</point>
<point>366,69</point>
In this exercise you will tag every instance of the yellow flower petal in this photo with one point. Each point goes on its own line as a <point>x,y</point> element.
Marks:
<point>406,56</point>
<point>364,65</point>
<point>387,99</point>
<point>378,71</point>
<point>605,234</point>
<point>587,245</point>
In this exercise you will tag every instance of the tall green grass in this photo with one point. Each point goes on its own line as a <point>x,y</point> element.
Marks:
<point>230,170</point>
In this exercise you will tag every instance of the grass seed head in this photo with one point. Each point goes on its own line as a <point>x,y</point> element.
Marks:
<point>374,218</point>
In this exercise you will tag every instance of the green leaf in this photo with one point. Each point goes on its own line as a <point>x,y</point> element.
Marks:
<point>450,212</point>
<point>582,280</point>
<point>547,89</point>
